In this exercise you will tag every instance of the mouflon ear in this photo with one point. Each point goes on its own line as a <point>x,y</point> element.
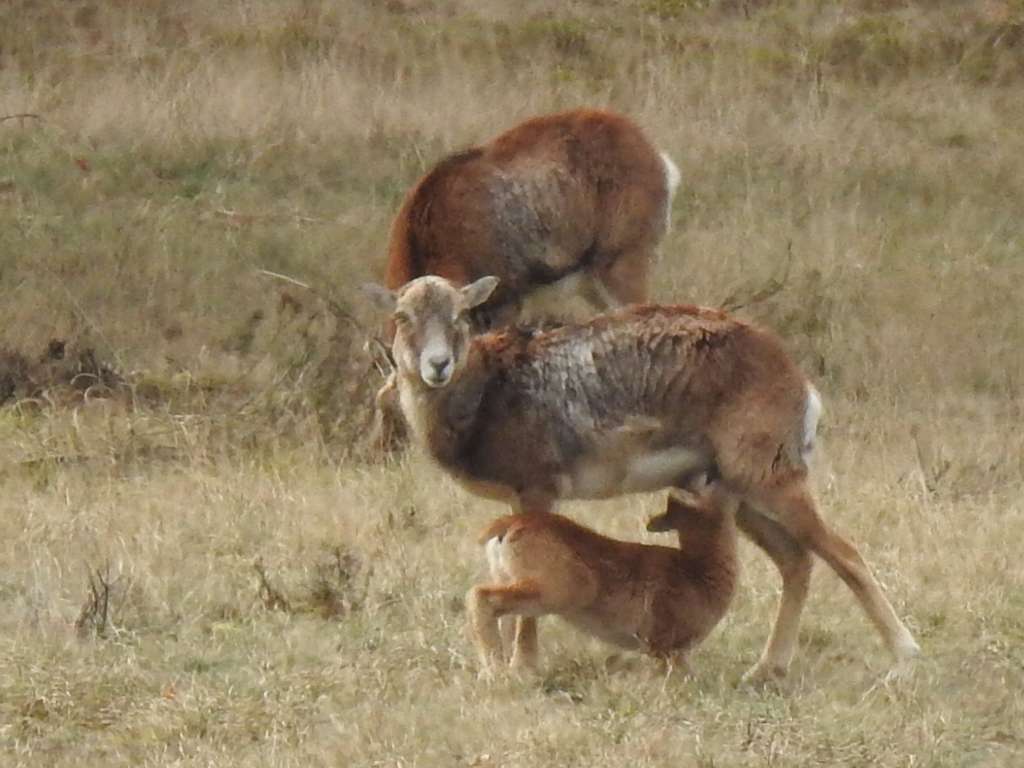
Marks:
<point>476,293</point>
<point>681,507</point>
<point>658,523</point>
<point>380,296</point>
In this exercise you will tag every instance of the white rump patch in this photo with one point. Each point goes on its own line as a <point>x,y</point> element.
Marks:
<point>812,412</point>
<point>672,180</point>
<point>672,175</point>
<point>496,564</point>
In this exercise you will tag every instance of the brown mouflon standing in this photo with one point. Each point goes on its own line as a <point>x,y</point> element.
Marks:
<point>639,400</point>
<point>575,202</point>
<point>565,205</point>
<point>660,600</point>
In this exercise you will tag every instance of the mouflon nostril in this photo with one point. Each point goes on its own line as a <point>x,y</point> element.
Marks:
<point>439,363</point>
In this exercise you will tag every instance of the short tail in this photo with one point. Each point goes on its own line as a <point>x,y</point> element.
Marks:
<point>812,413</point>
<point>497,529</point>
<point>672,180</point>
<point>672,175</point>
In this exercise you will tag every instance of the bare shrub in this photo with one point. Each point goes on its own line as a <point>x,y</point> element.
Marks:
<point>334,590</point>
<point>95,619</point>
<point>270,596</point>
<point>322,370</point>
<point>65,373</point>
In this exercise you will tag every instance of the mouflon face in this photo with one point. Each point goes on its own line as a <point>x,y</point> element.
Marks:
<point>432,325</point>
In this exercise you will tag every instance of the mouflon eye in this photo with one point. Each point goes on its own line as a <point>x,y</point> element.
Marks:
<point>401,317</point>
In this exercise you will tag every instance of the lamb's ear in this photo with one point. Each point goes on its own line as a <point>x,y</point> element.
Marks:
<point>380,296</point>
<point>675,505</point>
<point>476,293</point>
<point>688,506</point>
<point>658,523</point>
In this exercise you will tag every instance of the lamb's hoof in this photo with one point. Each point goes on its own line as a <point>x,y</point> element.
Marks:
<point>523,669</point>
<point>616,663</point>
<point>486,676</point>
<point>763,675</point>
<point>491,671</point>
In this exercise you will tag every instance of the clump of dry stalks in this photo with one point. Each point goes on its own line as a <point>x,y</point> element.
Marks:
<point>337,372</point>
<point>338,585</point>
<point>95,619</point>
<point>64,373</point>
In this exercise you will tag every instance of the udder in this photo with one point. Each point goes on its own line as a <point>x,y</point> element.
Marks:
<point>611,474</point>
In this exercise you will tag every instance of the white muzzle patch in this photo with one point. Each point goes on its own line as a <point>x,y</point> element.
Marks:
<point>437,359</point>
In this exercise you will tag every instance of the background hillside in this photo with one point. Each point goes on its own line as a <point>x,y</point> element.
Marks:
<point>853,175</point>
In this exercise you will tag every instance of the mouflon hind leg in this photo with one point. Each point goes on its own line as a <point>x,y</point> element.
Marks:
<point>793,507</point>
<point>794,562</point>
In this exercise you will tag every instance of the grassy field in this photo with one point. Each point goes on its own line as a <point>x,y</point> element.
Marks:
<point>199,565</point>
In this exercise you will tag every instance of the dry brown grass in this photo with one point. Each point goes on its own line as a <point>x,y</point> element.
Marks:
<point>179,146</point>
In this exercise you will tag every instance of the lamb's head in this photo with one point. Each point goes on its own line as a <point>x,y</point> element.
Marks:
<point>689,510</point>
<point>432,325</point>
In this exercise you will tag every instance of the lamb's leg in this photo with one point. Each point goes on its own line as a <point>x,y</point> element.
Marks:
<point>525,654</point>
<point>486,604</point>
<point>387,432</point>
<point>508,626</point>
<point>525,650</point>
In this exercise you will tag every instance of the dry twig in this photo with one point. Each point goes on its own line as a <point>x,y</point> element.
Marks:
<point>249,218</point>
<point>21,116</point>
<point>931,465</point>
<point>735,301</point>
<point>336,309</point>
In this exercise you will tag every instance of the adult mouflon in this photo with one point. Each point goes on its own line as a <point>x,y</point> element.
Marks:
<point>639,400</point>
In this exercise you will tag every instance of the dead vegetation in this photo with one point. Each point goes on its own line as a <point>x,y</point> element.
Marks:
<point>337,584</point>
<point>242,183</point>
<point>95,619</point>
<point>306,366</point>
<point>340,584</point>
<point>269,595</point>
<point>332,365</point>
<point>61,375</point>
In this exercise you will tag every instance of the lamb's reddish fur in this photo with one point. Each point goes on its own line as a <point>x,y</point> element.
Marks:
<point>657,599</point>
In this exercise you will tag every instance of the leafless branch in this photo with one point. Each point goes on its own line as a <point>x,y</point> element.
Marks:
<point>336,308</point>
<point>247,218</point>
<point>21,116</point>
<point>735,301</point>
